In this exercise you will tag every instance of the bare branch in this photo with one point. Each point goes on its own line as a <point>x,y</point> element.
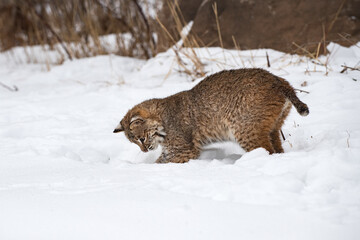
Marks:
<point>145,21</point>
<point>267,60</point>
<point>47,25</point>
<point>345,68</point>
<point>301,90</point>
<point>11,89</point>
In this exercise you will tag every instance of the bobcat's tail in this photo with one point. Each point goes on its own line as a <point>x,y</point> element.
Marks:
<point>289,93</point>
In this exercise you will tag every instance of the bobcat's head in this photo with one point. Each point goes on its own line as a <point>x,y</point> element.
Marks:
<point>143,129</point>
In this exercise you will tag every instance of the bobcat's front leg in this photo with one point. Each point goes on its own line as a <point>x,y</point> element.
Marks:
<point>178,155</point>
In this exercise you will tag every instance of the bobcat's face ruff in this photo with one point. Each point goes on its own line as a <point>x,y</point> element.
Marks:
<point>146,132</point>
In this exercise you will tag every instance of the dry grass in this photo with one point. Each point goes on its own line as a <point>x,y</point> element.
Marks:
<point>74,27</point>
<point>186,57</point>
<point>314,56</point>
<point>214,6</point>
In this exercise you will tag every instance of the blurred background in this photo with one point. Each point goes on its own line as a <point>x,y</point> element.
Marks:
<point>143,28</point>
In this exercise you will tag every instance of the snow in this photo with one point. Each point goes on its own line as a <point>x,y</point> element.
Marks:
<point>65,175</point>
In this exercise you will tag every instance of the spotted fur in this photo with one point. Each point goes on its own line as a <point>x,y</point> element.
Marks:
<point>248,106</point>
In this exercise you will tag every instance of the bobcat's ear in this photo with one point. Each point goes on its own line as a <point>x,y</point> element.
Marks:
<point>136,118</point>
<point>140,116</point>
<point>119,128</point>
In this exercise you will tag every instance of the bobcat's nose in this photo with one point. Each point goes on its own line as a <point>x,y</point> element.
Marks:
<point>144,149</point>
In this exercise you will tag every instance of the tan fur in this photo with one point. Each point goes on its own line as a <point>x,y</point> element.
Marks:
<point>245,105</point>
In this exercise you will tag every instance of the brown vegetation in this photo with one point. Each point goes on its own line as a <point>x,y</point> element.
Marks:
<point>76,26</point>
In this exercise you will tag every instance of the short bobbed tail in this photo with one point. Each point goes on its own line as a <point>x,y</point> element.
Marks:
<point>290,94</point>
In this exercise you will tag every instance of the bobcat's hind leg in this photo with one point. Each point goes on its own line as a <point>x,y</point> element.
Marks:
<point>276,141</point>
<point>262,140</point>
<point>275,133</point>
<point>252,140</point>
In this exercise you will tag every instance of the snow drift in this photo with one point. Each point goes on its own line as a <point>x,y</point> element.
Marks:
<point>65,175</point>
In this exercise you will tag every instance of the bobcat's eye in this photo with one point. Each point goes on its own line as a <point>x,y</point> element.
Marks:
<point>142,140</point>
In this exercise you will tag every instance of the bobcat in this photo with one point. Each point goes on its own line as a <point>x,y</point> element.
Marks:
<point>248,106</point>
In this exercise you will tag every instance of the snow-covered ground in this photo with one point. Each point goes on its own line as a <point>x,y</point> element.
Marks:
<point>65,175</point>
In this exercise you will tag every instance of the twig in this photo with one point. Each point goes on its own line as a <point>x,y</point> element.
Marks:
<point>218,28</point>
<point>351,68</point>
<point>282,134</point>
<point>346,38</point>
<point>314,60</point>
<point>336,15</point>
<point>348,139</point>
<point>217,23</point>
<point>324,39</point>
<point>267,60</point>
<point>11,89</point>
<point>145,20</point>
<point>166,31</point>
<point>306,51</point>
<point>318,63</point>
<point>238,50</point>
<point>301,90</point>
